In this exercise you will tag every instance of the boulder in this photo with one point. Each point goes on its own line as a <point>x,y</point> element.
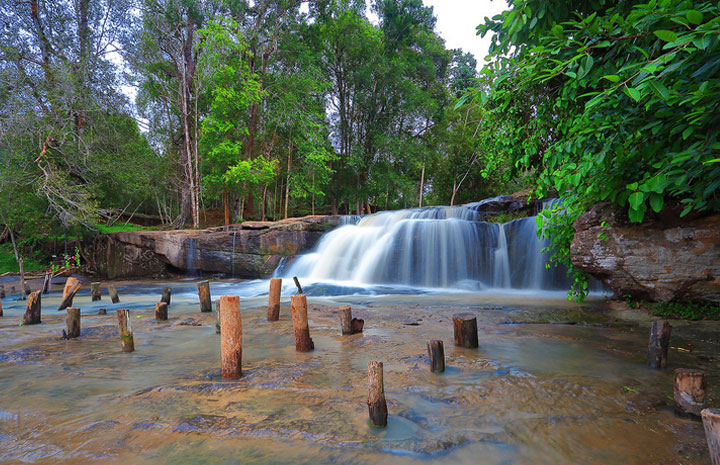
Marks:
<point>659,260</point>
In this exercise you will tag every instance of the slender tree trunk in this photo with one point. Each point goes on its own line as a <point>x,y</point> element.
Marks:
<point>226,205</point>
<point>422,182</point>
<point>287,182</point>
<point>264,200</point>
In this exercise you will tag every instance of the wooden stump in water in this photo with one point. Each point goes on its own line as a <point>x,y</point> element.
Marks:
<point>102,311</point>
<point>377,407</point>
<point>711,423</point>
<point>274,299</point>
<point>95,291</point>
<point>690,388</point>
<point>113,293</point>
<point>356,325</point>
<point>161,311</point>
<point>166,293</point>
<point>298,308</point>
<point>466,333</point>
<point>126,335</point>
<point>297,284</point>
<point>72,285</point>
<point>46,282</point>
<point>346,319</point>
<point>204,295</point>
<point>32,313</point>
<point>659,343</point>
<point>231,337</point>
<point>72,321</point>
<point>2,291</point>
<point>436,352</point>
<point>1,312</point>
<point>24,290</point>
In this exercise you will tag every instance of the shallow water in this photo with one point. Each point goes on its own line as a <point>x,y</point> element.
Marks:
<point>551,383</point>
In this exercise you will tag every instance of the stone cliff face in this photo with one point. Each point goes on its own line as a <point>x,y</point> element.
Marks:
<point>656,261</point>
<point>248,250</point>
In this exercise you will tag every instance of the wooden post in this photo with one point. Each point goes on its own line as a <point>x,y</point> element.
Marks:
<point>659,343</point>
<point>2,291</point>
<point>218,325</point>
<point>72,285</point>
<point>113,293</point>
<point>690,389</point>
<point>297,284</point>
<point>102,311</point>
<point>711,423</point>
<point>436,352</point>
<point>72,320</point>
<point>274,299</point>
<point>298,308</point>
<point>34,306</point>
<point>126,335</point>
<point>161,311</point>
<point>204,294</point>
<point>466,333</point>
<point>356,325</point>
<point>231,337</point>
<point>166,293</point>
<point>1,312</point>
<point>46,282</point>
<point>346,319</point>
<point>23,290</point>
<point>377,407</point>
<point>95,292</point>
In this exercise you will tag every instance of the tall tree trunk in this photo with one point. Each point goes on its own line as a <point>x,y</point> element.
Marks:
<point>422,182</point>
<point>287,181</point>
<point>264,200</point>
<point>226,205</point>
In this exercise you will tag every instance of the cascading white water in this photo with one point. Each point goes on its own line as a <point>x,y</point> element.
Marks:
<point>439,247</point>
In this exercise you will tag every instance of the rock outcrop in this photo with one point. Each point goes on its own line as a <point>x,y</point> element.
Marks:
<point>250,250</point>
<point>656,261</point>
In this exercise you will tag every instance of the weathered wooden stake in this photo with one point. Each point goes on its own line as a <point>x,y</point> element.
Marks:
<point>377,407</point>
<point>217,317</point>
<point>126,335</point>
<point>690,389</point>
<point>166,293</point>
<point>297,284</point>
<point>23,287</point>
<point>436,352</point>
<point>1,312</point>
<point>711,423</point>
<point>102,311</point>
<point>204,294</point>
<point>32,313</point>
<point>2,291</point>
<point>72,285</point>
<point>466,333</point>
<point>72,320</point>
<point>95,292</point>
<point>274,299</point>
<point>298,308</point>
<point>659,343</point>
<point>346,319</point>
<point>46,282</point>
<point>231,336</point>
<point>113,293</point>
<point>161,311</point>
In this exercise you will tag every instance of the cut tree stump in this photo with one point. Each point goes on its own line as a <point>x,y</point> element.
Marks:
<point>204,295</point>
<point>377,407</point>
<point>46,282</point>
<point>1,311</point>
<point>357,325</point>
<point>72,321</point>
<point>102,311</point>
<point>95,291</point>
<point>24,290</point>
<point>127,342</point>
<point>113,293</point>
<point>166,294</point>
<point>298,308</point>
<point>72,285</point>
<point>466,333</point>
<point>436,352</point>
<point>161,311</point>
<point>231,336</point>
<point>659,343</point>
<point>274,299</point>
<point>346,319</point>
<point>32,312</point>
<point>711,423</point>
<point>2,291</point>
<point>690,388</point>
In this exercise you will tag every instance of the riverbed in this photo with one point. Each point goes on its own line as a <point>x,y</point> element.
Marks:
<point>552,382</point>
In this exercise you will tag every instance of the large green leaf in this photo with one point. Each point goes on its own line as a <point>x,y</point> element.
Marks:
<point>665,35</point>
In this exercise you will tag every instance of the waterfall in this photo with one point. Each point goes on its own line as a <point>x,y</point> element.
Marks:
<point>232,257</point>
<point>437,247</point>
<point>191,256</point>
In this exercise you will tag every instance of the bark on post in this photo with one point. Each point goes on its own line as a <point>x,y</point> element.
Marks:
<point>166,293</point>
<point>377,407</point>
<point>126,335</point>
<point>46,282</point>
<point>659,343</point>
<point>72,285</point>
<point>113,293</point>
<point>466,333</point>
<point>95,291</point>
<point>161,311</point>
<point>711,423</point>
<point>274,299</point>
<point>72,321</point>
<point>298,307</point>
<point>346,319</point>
<point>204,295</point>
<point>690,388</point>
<point>436,352</point>
<point>32,312</point>
<point>231,337</point>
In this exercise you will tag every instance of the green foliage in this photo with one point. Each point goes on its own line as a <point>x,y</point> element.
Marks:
<point>9,265</point>
<point>686,310</point>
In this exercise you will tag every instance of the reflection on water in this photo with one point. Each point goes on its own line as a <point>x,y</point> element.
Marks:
<point>551,383</point>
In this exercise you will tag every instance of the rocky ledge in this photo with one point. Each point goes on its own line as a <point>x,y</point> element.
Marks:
<point>252,249</point>
<point>656,261</point>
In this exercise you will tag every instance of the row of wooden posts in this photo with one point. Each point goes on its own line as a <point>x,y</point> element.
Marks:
<point>690,386</point>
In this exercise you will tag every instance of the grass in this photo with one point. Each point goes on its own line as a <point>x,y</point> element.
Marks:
<point>686,310</point>
<point>117,227</point>
<point>9,265</point>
